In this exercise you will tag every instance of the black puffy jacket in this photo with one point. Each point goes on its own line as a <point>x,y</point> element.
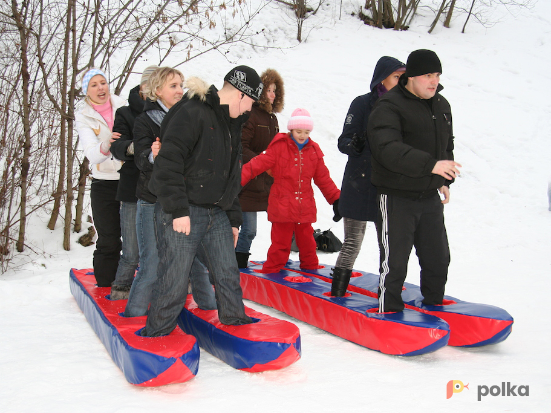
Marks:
<point>407,136</point>
<point>124,124</point>
<point>200,158</point>
<point>146,131</point>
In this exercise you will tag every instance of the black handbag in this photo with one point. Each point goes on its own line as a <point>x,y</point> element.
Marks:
<point>326,241</point>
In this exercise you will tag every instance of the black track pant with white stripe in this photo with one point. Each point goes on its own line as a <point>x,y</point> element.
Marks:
<point>401,224</point>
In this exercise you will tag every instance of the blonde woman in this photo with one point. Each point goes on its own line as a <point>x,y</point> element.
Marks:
<point>94,123</point>
<point>163,91</point>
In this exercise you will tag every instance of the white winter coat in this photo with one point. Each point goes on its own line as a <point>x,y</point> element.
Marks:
<point>92,130</point>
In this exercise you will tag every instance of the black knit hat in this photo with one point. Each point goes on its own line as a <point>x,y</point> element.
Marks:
<point>422,61</point>
<point>246,80</point>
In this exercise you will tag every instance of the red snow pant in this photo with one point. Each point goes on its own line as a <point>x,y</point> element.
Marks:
<point>282,237</point>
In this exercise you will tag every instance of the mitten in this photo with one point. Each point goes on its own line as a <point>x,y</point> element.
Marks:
<point>337,217</point>
<point>358,142</point>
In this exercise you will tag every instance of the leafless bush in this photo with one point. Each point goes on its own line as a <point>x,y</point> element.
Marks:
<point>45,45</point>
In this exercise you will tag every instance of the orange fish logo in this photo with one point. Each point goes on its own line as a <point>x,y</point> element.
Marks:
<point>455,386</point>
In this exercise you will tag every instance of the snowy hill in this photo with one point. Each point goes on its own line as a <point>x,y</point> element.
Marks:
<point>499,227</point>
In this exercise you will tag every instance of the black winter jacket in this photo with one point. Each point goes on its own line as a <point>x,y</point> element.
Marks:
<point>358,195</point>
<point>146,131</point>
<point>124,124</point>
<point>200,158</point>
<point>408,135</point>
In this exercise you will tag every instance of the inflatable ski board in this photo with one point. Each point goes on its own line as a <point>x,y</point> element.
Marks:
<point>471,325</point>
<point>267,344</point>
<point>353,317</point>
<point>145,361</point>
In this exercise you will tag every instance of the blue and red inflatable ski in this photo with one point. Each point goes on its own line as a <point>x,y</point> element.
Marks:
<point>145,361</point>
<point>471,324</point>
<point>267,344</point>
<point>353,317</point>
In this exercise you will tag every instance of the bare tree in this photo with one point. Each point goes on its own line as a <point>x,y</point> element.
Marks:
<point>395,14</point>
<point>302,10</point>
<point>478,9</point>
<point>449,14</point>
<point>440,10</point>
<point>45,46</point>
<point>468,16</point>
<point>20,19</point>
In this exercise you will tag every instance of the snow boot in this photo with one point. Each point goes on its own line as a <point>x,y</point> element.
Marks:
<point>341,278</point>
<point>242,259</point>
<point>120,292</point>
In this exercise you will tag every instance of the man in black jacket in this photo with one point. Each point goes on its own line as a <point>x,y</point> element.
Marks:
<point>411,138</point>
<point>197,179</point>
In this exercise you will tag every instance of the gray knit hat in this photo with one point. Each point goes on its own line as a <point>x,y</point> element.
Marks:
<point>148,71</point>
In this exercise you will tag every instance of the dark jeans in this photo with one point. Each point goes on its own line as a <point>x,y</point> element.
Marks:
<point>402,224</point>
<point>130,253</point>
<point>140,293</point>
<point>105,212</point>
<point>247,232</point>
<point>142,288</point>
<point>210,229</point>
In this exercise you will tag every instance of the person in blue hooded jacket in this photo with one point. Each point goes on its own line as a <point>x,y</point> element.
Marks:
<point>357,203</point>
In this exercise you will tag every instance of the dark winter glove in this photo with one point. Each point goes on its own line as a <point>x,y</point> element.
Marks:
<point>358,142</point>
<point>337,217</point>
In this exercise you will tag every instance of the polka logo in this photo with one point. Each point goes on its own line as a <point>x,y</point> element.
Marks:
<point>455,386</point>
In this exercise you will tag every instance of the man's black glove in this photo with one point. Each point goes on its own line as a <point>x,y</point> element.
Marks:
<point>337,217</point>
<point>358,142</point>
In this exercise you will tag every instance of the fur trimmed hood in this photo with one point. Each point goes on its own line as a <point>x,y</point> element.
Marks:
<point>268,77</point>
<point>196,87</point>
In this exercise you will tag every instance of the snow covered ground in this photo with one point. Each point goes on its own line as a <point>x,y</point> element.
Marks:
<point>498,82</point>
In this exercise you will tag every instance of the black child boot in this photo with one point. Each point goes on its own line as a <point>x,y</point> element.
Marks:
<point>242,259</point>
<point>341,278</point>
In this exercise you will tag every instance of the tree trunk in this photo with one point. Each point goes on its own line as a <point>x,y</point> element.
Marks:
<point>413,10</point>
<point>442,6</point>
<point>380,15</point>
<point>468,16</point>
<point>449,15</point>
<point>84,172</point>
<point>72,18</point>
<point>63,131</point>
<point>26,138</point>
<point>400,15</point>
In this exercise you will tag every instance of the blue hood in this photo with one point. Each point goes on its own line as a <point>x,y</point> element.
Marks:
<point>384,67</point>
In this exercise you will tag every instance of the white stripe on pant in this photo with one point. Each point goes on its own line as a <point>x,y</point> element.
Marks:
<point>384,241</point>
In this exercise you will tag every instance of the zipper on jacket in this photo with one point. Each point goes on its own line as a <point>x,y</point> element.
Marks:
<point>229,170</point>
<point>300,177</point>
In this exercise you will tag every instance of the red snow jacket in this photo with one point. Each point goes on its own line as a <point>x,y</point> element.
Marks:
<point>292,196</point>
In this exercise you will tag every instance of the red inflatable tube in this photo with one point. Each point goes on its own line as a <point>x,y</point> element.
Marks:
<point>145,361</point>
<point>471,324</point>
<point>353,317</point>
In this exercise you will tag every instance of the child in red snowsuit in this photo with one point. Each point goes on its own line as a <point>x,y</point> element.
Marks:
<point>294,161</point>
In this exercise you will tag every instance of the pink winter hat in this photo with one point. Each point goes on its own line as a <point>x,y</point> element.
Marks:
<point>300,119</point>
